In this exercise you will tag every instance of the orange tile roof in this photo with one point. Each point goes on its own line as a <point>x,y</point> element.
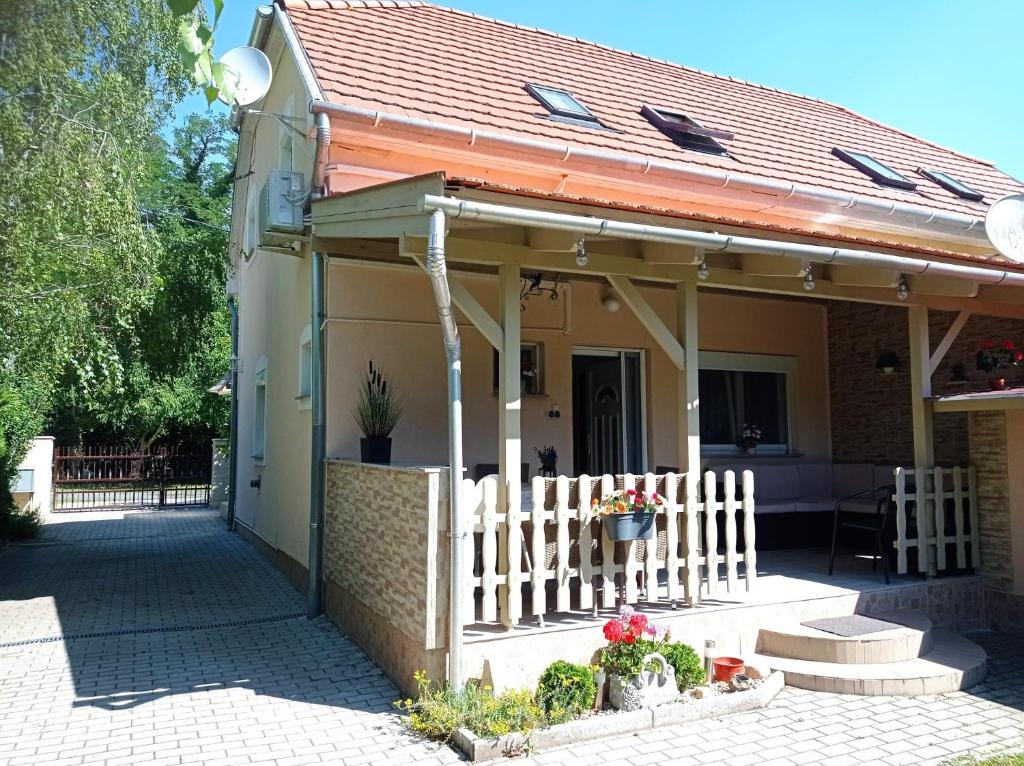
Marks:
<point>421,60</point>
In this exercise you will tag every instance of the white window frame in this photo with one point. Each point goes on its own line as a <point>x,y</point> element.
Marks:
<point>304,382</point>
<point>259,412</point>
<point>739,362</point>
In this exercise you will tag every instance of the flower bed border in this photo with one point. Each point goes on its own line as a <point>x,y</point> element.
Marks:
<point>478,749</point>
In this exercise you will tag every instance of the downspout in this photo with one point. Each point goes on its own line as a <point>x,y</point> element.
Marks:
<point>318,396</point>
<point>453,351</point>
<point>233,429</point>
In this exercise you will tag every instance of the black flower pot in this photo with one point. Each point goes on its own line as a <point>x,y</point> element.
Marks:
<point>375,449</point>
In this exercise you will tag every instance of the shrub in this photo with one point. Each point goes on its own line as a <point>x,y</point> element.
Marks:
<point>566,691</point>
<point>688,665</point>
<point>16,524</point>
<point>439,710</point>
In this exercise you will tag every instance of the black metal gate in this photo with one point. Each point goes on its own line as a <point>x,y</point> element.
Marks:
<point>95,478</point>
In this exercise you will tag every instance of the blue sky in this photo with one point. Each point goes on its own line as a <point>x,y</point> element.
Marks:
<point>946,70</point>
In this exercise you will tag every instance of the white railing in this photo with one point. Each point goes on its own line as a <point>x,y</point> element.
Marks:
<point>556,538</point>
<point>927,500</point>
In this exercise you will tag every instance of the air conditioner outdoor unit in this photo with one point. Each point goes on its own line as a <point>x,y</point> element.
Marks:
<point>280,210</point>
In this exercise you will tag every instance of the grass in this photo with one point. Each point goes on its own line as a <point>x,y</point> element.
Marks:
<point>1004,759</point>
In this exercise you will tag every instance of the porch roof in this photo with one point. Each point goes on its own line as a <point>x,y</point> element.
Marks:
<point>1009,399</point>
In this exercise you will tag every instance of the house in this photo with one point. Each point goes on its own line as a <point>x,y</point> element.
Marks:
<point>547,242</point>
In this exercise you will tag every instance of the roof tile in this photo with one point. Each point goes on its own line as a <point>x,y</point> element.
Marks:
<point>417,59</point>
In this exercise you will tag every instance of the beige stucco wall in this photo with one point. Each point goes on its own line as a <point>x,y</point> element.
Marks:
<point>274,307</point>
<point>411,352</point>
<point>39,460</point>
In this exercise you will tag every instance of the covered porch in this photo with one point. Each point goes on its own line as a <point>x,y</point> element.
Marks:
<point>560,309</point>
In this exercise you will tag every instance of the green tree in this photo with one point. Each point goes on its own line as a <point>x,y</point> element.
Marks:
<point>83,86</point>
<point>180,343</point>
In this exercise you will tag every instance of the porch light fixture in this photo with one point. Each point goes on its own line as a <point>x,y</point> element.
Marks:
<point>887,363</point>
<point>808,279</point>
<point>702,270</point>
<point>610,303</point>
<point>581,253</point>
<point>902,292</point>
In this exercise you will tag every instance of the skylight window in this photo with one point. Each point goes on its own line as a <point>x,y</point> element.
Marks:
<point>947,182</point>
<point>561,103</point>
<point>685,131</point>
<point>878,171</point>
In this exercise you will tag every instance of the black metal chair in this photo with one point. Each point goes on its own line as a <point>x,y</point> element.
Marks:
<point>876,523</point>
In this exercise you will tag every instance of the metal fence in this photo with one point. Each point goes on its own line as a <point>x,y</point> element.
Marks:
<point>119,477</point>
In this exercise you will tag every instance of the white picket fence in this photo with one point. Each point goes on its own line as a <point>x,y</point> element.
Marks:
<point>923,505</point>
<point>557,538</point>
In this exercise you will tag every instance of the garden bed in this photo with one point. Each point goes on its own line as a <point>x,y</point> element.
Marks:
<point>601,726</point>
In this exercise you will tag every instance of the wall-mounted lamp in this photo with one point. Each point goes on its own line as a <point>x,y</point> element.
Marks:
<point>888,363</point>
<point>581,253</point>
<point>808,279</point>
<point>610,303</point>
<point>553,413</point>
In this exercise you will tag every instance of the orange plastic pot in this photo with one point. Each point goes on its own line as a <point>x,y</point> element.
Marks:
<point>727,667</point>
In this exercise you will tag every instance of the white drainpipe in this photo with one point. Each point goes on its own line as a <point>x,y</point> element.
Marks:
<point>453,351</point>
<point>711,242</point>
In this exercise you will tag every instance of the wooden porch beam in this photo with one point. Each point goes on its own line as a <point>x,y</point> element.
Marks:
<point>921,387</point>
<point>689,411</point>
<point>947,341</point>
<point>510,448</point>
<point>649,319</point>
<point>470,306</point>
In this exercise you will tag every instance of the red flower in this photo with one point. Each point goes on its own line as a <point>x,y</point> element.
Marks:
<point>638,622</point>
<point>613,631</point>
<point>1008,345</point>
<point>1018,356</point>
<point>630,638</point>
<point>631,492</point>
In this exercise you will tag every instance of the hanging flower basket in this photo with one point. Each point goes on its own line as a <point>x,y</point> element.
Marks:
<point>629,515</point>
<point>622,527</point>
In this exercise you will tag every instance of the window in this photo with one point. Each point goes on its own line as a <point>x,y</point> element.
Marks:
<point>686,132</point>
<point>531,369</point>
<point>562,104</point>
<point>259,412</point>
<point>947,182</point>
<point>874,169</point>
<point>739,389</point>
<point>305,387</point>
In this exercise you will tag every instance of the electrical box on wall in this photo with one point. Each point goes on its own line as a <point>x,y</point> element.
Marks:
<point>280,207</point>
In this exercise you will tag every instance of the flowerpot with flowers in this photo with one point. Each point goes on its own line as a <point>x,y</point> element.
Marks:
<point>750,437</point>
<point>993,357</point>
<point>629,515</point>
<point>548,457</point>
<point>639,674</point>
<point>377,412</point>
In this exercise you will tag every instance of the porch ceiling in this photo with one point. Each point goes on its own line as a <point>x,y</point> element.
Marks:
<point>366,223</point>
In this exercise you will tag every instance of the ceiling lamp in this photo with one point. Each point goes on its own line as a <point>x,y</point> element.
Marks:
<point>902,292</point>
<point>581,253</point>
<point>702,270</point>
<point>808,279</point>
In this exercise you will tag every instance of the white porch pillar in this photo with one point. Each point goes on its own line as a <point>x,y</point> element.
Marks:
<point>921,410</point>
<point>510,450</point>
<point>689,410</point>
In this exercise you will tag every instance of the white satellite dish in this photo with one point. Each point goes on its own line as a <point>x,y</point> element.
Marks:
<point>252,69</point>
<point>1004,225</point>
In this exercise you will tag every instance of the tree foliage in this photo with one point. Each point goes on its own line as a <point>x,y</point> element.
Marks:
<point>83,86</point>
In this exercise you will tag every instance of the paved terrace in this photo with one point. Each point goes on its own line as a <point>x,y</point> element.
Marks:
<point>160,638</point>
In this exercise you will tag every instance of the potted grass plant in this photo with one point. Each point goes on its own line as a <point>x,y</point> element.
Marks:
<point>377,412</point>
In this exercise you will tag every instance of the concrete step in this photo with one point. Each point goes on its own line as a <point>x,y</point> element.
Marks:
<point>953,663</point>
<point>913,638</point>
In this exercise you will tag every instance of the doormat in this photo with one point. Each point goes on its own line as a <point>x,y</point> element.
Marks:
<point>851,625</point>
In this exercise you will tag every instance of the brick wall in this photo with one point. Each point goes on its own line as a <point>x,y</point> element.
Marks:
<point>870,412</point>
<point>386,563</point>
<point>988,454</point>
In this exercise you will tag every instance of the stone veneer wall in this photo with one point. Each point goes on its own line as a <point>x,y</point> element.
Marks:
<point>386,564</point>
<point>870,412</point>
<point>1004,606</point>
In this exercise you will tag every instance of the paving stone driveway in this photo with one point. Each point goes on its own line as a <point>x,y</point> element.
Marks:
<point>159,637</point>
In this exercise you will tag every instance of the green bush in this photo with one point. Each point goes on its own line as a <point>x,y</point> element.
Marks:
<point>16,524</point>
<point>688,665</point>
<point>1006,759</point>
<point>439,710</point>
<point>566,691</point>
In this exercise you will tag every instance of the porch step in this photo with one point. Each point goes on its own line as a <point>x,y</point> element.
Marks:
<point>953,663</point>
<point>913,638</point>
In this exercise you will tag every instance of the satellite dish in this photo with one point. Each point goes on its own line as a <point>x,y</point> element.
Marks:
<point>1004,225</point>
<point>252,69</point>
